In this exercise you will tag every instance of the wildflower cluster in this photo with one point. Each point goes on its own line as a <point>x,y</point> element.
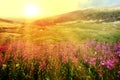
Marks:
<point>60,61</point>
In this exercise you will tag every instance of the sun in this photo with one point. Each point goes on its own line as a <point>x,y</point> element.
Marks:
<point>31,10</point>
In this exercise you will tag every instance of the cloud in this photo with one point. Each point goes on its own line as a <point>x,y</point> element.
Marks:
<point>95,3</point>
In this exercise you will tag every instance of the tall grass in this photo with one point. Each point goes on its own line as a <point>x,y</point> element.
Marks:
<point>21,60</point>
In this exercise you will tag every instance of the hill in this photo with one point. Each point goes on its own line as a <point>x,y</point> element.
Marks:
<point>104,14</point>
<point>5,20</point>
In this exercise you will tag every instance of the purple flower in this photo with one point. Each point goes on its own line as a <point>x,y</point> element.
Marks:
<point>118,53</point>
<point>98,46</point>
<point>102,63</point>
<point>110,64</point>
<point>118,74</point>
<point>90,43</point>
<point>116,48</point>
<point>92,61</point>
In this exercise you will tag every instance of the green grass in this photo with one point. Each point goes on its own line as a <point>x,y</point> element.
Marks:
<point>79,32</point>
<point>76,31</point>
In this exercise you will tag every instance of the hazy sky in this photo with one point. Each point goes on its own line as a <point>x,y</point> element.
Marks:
<point>16,8</point>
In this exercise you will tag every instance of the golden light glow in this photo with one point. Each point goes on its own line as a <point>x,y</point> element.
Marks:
<point>38,8</point>
<point>31,10</point>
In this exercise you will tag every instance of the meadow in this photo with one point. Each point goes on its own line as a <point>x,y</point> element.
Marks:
<point>78,31</point>
<point>73,50</point>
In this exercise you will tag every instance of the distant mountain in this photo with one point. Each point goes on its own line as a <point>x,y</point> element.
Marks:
<point>5,20</point>
<point>106,14</point>
<point>13,20</point>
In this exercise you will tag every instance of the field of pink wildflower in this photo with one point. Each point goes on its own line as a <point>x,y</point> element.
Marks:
<point>92,60</point>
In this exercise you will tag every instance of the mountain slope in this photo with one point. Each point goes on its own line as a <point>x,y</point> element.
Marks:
<point>5,20</point>
<point>107,14</point>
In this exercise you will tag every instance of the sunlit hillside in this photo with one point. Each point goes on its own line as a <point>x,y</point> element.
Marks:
<point>108,14</point>
<point>77,26</point>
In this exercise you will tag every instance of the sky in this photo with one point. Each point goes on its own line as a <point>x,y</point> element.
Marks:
<point>16,8</point>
